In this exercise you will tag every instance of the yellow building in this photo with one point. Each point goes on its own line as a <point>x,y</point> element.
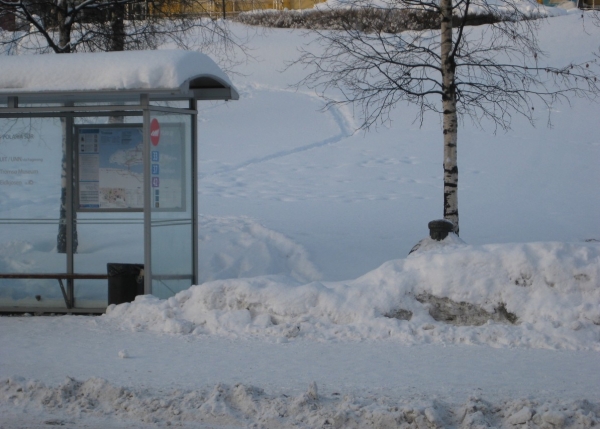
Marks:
<point>215,7</point>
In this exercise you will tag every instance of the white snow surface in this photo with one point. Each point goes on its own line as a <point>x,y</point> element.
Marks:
<point>305,231</point>
<point>242,247</point>
<point>131,70</point>
<point>552,288</point>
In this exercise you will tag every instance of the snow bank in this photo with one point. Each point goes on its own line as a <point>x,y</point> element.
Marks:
<point>527,8</point>
<point>238,246</point>
<point>550,291</point>
<point>248,406</point>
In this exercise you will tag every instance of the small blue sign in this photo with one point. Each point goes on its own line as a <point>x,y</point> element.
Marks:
<point>155,169</point>
<point>155,156</point>
<point>155,182</point>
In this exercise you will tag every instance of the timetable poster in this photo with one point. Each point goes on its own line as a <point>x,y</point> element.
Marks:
<point>111,168</point>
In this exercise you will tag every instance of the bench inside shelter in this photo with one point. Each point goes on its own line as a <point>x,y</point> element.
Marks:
<point>66,293</point>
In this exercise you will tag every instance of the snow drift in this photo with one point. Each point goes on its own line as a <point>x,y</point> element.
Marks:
<point>249,406</point>
<point>548,293</point>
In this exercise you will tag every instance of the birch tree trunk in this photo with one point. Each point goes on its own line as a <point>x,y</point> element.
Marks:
<point>450,117</point>
<point>117,27</point>
<point>64,29</point>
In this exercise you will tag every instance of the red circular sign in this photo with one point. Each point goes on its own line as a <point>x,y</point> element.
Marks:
<point>154,132</point>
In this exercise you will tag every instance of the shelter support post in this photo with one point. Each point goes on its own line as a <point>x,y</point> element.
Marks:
<point>70,212</point>
<point>145,104</point>
<point>195,176</point>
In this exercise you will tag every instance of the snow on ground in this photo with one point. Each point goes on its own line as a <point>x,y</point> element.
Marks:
<point>502,7</point>
<point>550,288</point>
<point>355,200</point>
<point>242,247</point>
<point>310,313</point>
<point>213,381</point>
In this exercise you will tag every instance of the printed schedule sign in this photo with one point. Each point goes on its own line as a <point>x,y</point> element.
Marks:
<point>111,168</point>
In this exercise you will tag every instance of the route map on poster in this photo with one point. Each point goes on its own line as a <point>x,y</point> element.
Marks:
<point>111,167</point>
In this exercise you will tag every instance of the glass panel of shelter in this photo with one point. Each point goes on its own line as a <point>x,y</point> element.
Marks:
<point>108,200</point>
<point>33,184</point>
<point>172,212</point>
<point>31,167</point>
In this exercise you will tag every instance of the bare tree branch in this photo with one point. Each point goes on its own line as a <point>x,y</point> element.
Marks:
<point>63,26</point>
<point>489,73</point>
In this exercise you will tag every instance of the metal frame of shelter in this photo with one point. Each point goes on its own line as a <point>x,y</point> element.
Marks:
<point>142,103</point>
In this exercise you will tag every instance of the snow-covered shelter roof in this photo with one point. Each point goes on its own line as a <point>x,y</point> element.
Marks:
<point>113,76</point>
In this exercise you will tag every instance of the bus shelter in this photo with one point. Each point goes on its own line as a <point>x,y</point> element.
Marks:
<point>98,166</point>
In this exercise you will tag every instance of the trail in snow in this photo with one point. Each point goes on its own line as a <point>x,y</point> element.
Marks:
<point>344,132</point>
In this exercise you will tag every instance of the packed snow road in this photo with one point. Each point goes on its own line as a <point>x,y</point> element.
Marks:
<point>76,371</point>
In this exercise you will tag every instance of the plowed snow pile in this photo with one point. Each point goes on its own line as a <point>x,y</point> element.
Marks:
<point>242,406</point>
<point>541,295</point>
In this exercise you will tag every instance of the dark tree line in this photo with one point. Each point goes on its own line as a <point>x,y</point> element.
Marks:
<point>64,26</point>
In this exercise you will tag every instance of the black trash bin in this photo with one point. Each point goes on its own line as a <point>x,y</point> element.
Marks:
<point>125,282</point>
